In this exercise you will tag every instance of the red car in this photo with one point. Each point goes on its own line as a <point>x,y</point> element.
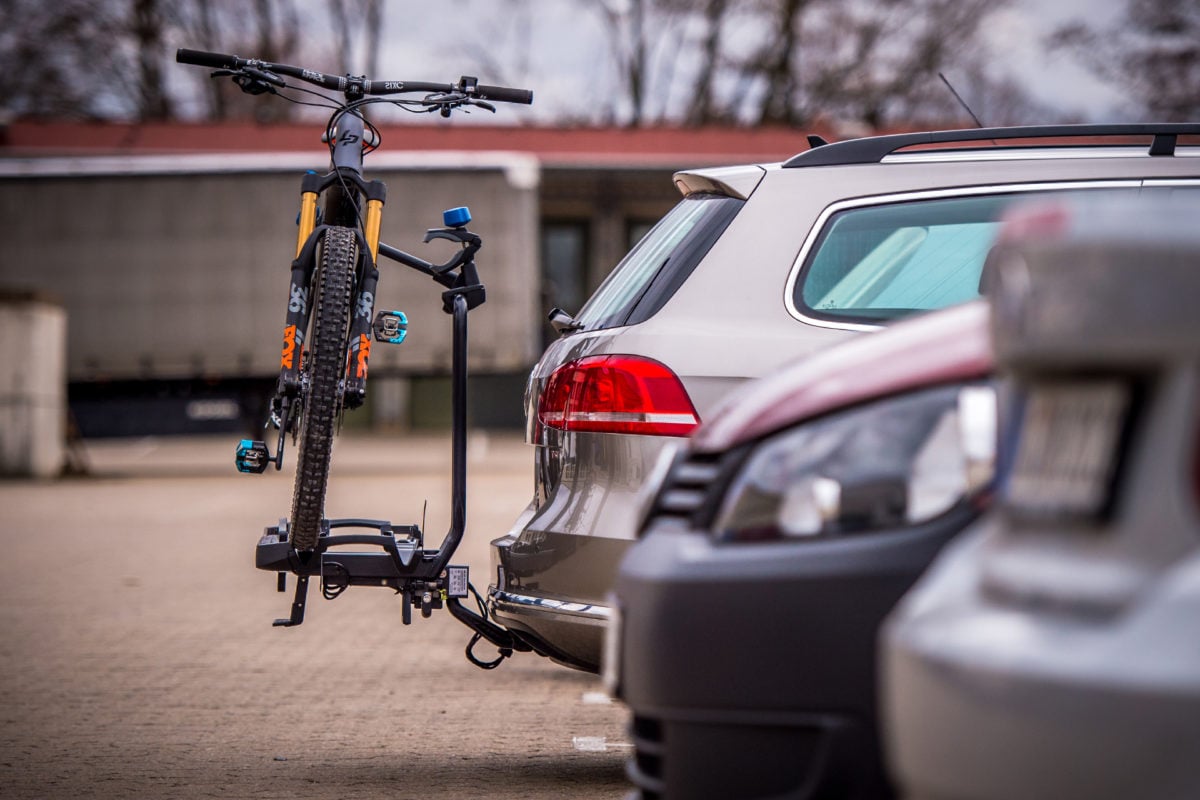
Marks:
<point>745,617</point>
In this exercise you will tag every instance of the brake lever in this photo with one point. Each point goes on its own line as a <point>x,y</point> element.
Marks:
<point>252,85</point>
<point>251,80</point>
<point>263,75</point>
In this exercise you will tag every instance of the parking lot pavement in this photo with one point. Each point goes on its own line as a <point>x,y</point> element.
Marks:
<point>137,658</point>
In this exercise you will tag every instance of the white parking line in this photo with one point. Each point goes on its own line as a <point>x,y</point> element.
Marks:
<point>596,744</point>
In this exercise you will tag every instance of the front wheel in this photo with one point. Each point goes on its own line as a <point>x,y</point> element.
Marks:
<point>325,364</point>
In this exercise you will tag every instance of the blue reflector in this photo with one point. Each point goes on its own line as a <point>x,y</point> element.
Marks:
<point>456,217</point>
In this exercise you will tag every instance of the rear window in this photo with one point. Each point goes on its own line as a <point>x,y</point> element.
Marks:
<point>660,263</point>
<point>877,263</point>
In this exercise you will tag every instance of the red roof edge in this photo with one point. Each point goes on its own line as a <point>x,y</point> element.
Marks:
<point>552,145</point>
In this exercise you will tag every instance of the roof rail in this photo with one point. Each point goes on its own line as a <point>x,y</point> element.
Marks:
<point>872,149</point>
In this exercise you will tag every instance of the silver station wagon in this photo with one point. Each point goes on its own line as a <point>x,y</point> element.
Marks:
<point>756,266</point>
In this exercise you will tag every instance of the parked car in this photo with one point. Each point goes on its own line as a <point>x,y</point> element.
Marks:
<point>756,266</point>
<point>1052,651</point>
<point>744,620</point>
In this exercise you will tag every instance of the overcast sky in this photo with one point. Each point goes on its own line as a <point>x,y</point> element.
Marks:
<point>560,51</point>
<point>1055,80</point>
<point>567,47</point>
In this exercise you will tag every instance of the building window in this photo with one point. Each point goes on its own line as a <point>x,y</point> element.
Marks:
<point>564,269</point>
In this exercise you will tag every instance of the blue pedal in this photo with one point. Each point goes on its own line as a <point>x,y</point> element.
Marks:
<point>390,327</point>
<point>456,217</point>
<point>252,456</point>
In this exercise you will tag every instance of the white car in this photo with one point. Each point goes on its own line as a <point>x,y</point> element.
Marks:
<point>755,267</point>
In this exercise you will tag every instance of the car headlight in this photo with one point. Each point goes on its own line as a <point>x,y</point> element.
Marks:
<point>891,464</point>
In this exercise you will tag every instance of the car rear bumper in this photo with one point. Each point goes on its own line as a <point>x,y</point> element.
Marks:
<point>989,700</point>
<point>750,668</point>
<point>548,589</point>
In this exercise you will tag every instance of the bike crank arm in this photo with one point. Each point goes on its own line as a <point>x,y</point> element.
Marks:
<point>252,455</point>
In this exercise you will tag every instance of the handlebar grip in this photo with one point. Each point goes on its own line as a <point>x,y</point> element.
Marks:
<point>203,59</point>
<point>503,94</point>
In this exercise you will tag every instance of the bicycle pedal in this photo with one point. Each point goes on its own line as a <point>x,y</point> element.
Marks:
<point>252,456</point>
<point>390,327</point>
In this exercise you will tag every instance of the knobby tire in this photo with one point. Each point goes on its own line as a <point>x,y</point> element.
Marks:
<point>326,365</point>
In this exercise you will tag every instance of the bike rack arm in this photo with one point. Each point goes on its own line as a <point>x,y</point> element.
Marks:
<point>439,273</point>
<point>458,413</point>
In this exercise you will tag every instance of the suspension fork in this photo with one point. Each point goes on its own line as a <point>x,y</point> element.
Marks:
<point>295,327</point>
<point>300,289</point>
<point>358,343</point>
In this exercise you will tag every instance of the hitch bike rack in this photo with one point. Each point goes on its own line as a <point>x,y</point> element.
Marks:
<point>398,558</point>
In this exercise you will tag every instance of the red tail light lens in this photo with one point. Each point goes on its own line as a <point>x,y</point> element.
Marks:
<point>1047,219</point>
<point>617,394</point>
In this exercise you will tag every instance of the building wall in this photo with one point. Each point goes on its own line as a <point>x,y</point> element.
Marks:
<point>185,275</point>
<point>174,271</point>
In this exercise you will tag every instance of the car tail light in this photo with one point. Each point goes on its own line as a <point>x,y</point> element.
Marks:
<point>617,394</point>
<point>1047,219</point>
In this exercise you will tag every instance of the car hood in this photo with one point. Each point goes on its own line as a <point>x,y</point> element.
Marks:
<point>939,347</point>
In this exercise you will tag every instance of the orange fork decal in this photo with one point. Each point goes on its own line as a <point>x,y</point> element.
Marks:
<point>364,352</point>
<point>289,347</point>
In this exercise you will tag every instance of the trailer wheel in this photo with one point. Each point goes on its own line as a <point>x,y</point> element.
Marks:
<point>325,362</point>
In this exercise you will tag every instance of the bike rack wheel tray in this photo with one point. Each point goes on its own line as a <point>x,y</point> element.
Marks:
<point>401,563</point>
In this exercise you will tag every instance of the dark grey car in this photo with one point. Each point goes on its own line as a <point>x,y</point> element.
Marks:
<point>756,266</point>
<point>1052,651</point>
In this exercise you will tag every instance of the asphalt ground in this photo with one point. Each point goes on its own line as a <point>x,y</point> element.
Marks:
<point>137,657</point>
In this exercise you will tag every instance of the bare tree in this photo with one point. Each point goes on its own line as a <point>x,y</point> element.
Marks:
<point>340,16</point>
<point>789,62</point>
<point>704,107</point>
<point>1153,52</point>
<point>373,30</point>
<point>626,24</point>
<point>206,38</point>
<point>58,60</point>
<point>888,68</point>
<point>148,27</point>
<point>778,63</point>
<point>354,21</point>
<point>278,25</point>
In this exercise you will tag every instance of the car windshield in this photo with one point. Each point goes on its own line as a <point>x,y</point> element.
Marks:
<point>659,264</point>
<point>875,263</point>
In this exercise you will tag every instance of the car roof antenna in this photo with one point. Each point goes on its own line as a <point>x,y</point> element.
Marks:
<point>962,102</point>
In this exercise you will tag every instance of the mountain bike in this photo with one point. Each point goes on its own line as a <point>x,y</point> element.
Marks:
<point>329,326</point>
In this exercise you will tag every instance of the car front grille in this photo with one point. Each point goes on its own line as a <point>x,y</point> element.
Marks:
<point>692,489</point>
<point>645,769</point>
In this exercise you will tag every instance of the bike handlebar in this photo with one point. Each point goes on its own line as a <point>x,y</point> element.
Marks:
<point>202,58</point>
<point>343,83</point>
